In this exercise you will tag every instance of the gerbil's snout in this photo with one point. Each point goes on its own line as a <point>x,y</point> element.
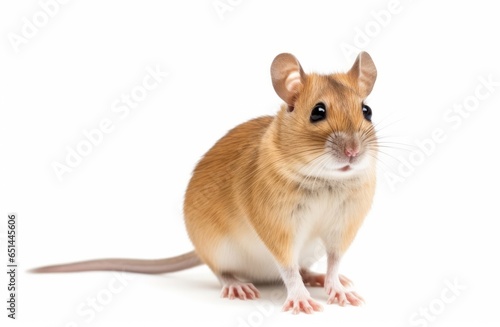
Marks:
<point>347,152</point>
<point>351,152</point>
<point>345,148</point>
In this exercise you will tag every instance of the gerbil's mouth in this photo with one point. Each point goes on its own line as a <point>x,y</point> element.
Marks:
<point>345,168</point>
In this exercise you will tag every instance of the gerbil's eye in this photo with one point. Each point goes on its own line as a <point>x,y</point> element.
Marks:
<point>367,112</point>
<point>318,113</point>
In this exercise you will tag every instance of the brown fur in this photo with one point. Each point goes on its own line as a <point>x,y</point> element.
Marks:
<point>250,175</point>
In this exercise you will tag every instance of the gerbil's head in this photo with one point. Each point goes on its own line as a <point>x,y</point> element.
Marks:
<point>325,129</point>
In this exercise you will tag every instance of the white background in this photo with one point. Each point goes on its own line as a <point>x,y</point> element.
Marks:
<point>436,225</point>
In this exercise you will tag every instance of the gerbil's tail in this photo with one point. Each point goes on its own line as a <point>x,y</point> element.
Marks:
<point>158,266</point>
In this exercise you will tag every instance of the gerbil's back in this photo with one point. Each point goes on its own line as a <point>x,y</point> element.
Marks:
<point>209,200</point>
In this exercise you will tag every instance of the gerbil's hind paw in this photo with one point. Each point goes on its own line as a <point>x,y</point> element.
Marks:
<point>346,282</point>
<point>240,290</point>
<point>302,304</point>
<point>316,279</point>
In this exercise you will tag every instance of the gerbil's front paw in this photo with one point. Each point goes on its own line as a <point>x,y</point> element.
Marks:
<point>302,303</point>
<point>337,293</point>
<point>240,290</point>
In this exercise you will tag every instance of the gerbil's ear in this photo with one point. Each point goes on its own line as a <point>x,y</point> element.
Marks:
<point>288,77</point>
<point>364,72</point>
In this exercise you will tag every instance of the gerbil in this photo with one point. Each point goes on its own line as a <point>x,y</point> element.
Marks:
<point>275,190</point>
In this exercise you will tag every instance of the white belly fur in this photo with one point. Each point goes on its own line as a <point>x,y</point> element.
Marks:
<point>320,217</point>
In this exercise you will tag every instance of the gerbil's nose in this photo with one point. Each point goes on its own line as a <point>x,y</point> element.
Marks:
<point>351,152</point>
